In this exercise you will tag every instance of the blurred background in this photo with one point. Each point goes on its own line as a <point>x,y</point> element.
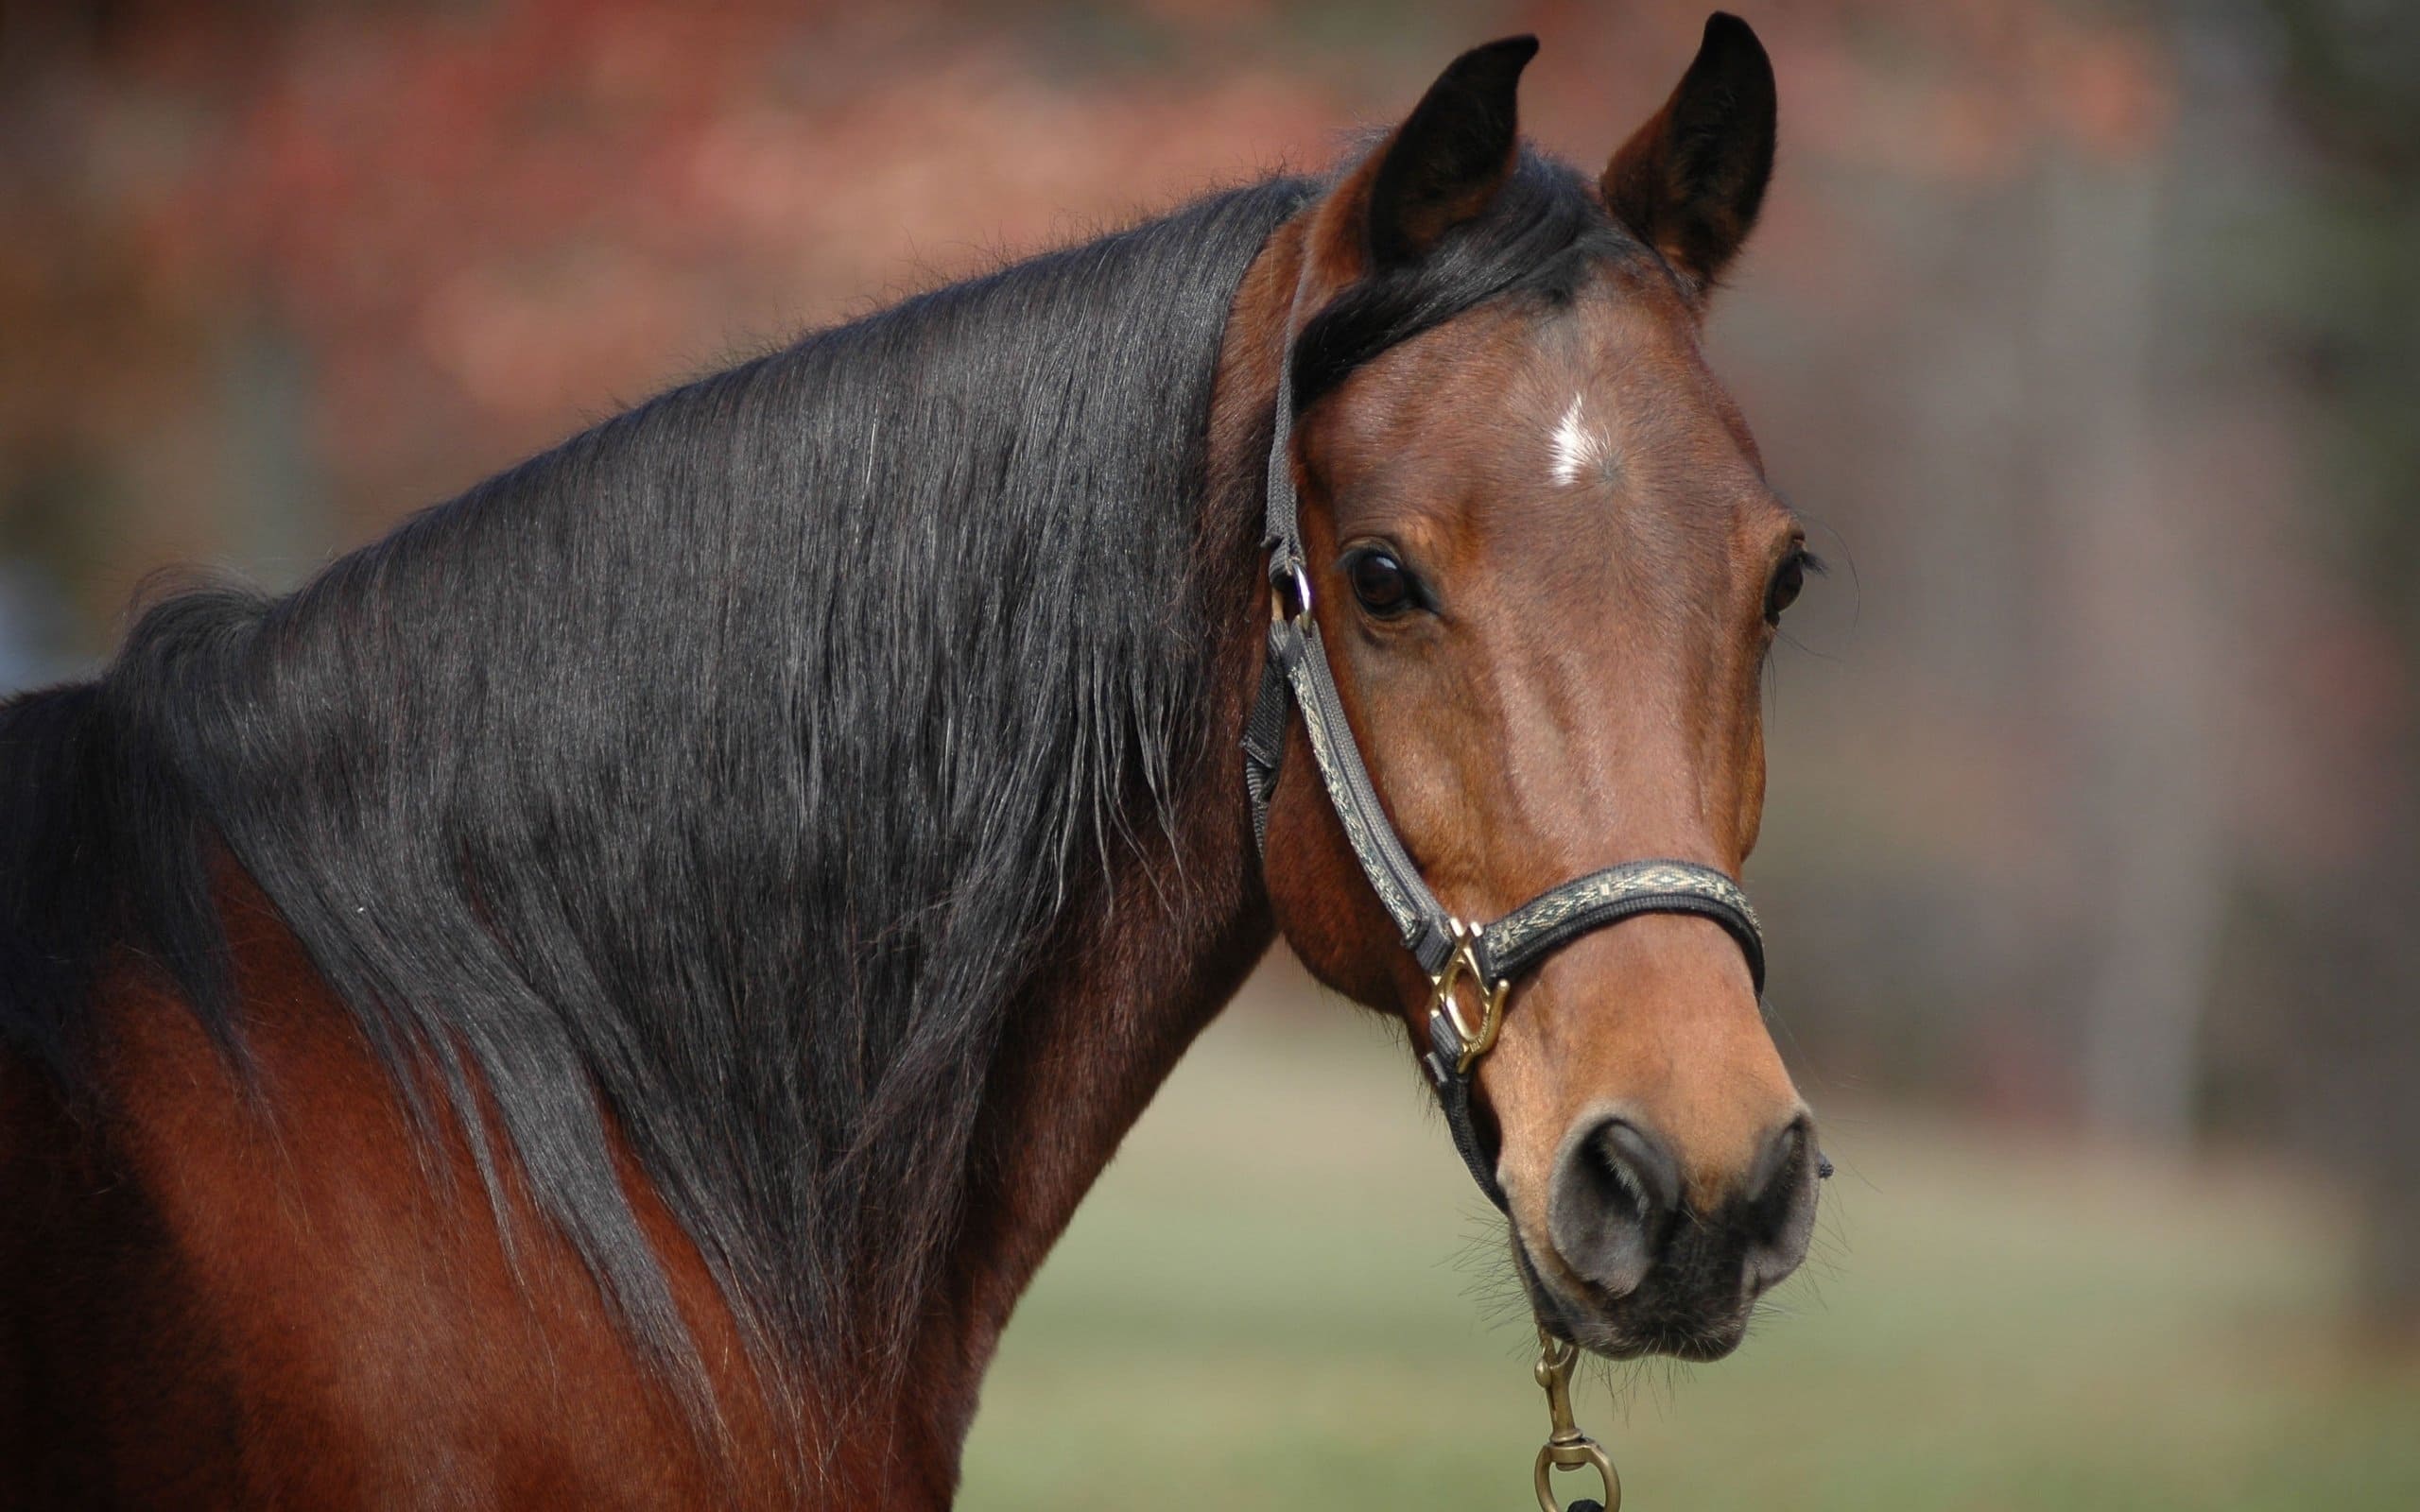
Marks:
<point>2084,333</point>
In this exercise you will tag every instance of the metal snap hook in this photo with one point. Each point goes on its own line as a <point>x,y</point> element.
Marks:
<point>1566,1448</point>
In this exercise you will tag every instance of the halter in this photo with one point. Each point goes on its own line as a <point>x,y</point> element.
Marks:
<point>1486,958</point>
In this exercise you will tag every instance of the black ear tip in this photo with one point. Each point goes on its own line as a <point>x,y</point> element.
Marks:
<point>1503,58</point>
<point>1727,33</point>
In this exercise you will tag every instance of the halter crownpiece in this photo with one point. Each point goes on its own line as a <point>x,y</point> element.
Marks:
<point>1485,959</point>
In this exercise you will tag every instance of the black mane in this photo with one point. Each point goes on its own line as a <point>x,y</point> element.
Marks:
<point>715,773</point>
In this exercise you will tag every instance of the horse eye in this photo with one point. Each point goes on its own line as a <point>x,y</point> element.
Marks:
<point>1788,580</point>
<point>1379,582</point>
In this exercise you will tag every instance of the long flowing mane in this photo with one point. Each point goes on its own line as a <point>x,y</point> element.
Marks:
<point>712,778</point>
<point>738,832</point>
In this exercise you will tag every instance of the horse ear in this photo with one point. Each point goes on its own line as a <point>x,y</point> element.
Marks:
<point>1445,162</point>
<point>1691,180</point>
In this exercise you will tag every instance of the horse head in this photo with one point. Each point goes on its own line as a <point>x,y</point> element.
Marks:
<point>1547,571</point>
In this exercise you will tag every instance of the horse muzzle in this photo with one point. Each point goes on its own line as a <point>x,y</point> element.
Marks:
<point>1631,1265</point>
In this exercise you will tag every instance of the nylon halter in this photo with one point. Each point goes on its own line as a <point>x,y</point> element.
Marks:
<point>1486,960</point>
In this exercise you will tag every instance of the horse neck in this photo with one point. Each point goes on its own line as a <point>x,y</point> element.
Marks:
<point>1137,969</point>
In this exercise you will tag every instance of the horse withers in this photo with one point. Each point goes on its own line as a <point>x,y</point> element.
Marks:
<point>606,995</point>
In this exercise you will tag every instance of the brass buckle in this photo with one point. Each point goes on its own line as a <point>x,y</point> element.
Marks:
<point>1566,1448</point>
<point>1464,964</point>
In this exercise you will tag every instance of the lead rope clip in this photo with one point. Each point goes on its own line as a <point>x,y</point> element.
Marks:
<point>1566,1448</point>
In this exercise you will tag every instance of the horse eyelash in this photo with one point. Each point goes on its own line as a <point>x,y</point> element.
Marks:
<point>1808,562</point>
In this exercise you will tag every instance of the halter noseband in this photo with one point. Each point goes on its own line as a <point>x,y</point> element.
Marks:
<point>1487,958</point>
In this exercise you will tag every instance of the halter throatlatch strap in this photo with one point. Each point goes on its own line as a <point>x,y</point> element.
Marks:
<point>1462,961</point>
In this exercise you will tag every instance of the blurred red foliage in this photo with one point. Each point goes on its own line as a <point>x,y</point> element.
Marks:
<point>475,225</point>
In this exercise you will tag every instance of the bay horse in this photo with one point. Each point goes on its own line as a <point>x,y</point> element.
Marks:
<point>605,996</point>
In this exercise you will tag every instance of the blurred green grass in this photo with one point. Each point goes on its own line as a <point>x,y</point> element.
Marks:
<point>1284,1294</point>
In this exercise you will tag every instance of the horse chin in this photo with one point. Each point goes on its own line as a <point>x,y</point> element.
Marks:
<point>1631,1326</point>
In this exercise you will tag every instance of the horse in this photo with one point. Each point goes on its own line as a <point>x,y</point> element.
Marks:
<point>606,995</point>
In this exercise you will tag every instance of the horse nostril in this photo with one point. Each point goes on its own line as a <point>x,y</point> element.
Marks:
<point>1615,1186</point>
<point>1780,1197</point>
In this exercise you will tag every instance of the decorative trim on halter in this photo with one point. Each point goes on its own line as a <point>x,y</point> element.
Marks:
<point>1514,942</point>
<point>1340,767</point>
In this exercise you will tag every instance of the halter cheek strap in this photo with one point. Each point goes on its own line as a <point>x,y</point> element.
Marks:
<point>1461,959</point>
